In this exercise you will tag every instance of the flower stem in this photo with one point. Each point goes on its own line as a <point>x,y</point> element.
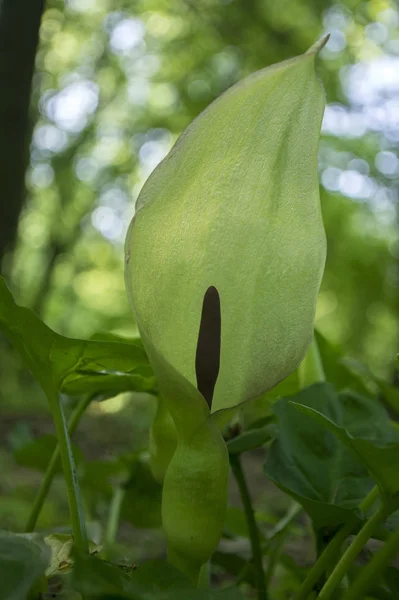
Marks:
<point>252,527</point>
<point>113,517</point>
<point>276,539</point>
<point>369,575</point>
<point>351,553</point>
<point>68,466</point>
<point>333,548</point>
<point>52,466</point>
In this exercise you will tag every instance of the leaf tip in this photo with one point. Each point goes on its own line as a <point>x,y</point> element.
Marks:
<point>318,45</point>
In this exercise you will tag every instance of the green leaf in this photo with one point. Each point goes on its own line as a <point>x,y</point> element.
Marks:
<point>95,578</point>
<point>73,366</point>
<point>235,565</point>
<point>310,464</point>
<point>261,407</point>
<point>230,593</point>
<point>55,360</point>
<point>105,384</point>
<point>376,445</point>
<point>37,453</point>
<point>234,207</point>
<point>388,392</point>
<point>391,578</point>
<point>98,475</point>
<point>156,579</point>
<point>110,367</point>
<point>142,499</point>
<point>337,370</point>
<point>22,563</point>
<point>251,439</point>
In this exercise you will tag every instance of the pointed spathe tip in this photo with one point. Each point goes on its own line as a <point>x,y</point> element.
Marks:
<point>319,45</point>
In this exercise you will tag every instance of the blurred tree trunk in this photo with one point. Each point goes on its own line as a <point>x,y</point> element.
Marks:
<point>19,35</point>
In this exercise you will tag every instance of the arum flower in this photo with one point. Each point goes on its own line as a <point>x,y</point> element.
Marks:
<point>224,259</point>
<point>231,221</point>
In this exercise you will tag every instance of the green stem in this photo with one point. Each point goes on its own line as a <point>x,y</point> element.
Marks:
<point>276,539</point>
<point>285,522</point>
<point>68,467</point>
<point>252,527</point>
<point>333,548</point>
<point>52,466</point>
<point>370,575</point>
<point>351,553</point>
<point>113,517</point>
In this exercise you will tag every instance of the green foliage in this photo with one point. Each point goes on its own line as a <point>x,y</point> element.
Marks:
<point>22,564</point>
<point>73,366</point>
<point>56,360</point>
<point>311,465</point>
<point>156,580</point>
<point>376,444</point>
<point>251,439</point>
<point>142,498</point>
<point>94,578</point>
<point>160,581</point>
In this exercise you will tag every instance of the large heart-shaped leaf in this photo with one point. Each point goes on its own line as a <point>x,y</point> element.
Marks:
<point>376,445</point>
<point>71,365</point>
<point>310,464</point>
<point>78,365</point>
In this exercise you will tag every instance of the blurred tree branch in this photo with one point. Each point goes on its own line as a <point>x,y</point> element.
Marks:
<point>19,35</point>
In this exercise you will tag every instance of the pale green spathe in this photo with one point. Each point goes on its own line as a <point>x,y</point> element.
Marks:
<point>235,205</point>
